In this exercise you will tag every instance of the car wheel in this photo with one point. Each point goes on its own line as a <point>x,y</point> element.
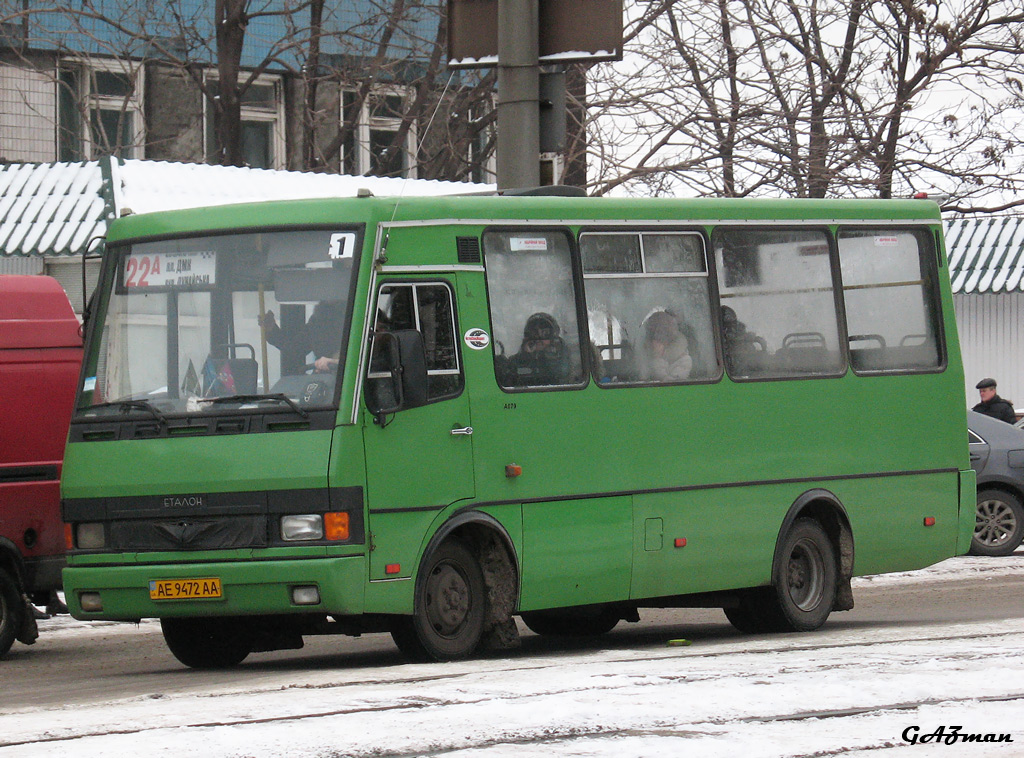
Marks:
<point>11,610</point>
<point>998,524</point>
<point>208,643</point>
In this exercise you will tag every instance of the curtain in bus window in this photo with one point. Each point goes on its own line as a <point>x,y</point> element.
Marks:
<point>778,309</point>
<point>648,306</point>
<point>533,309</point>
<point>890,295</point>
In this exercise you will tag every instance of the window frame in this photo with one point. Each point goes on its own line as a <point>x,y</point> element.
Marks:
<point>275,116</point>
<point>89,103</point>
<point>838,304</point>
<point>576,277</point>
<point>931,261</point>
<point>459,370</point>
<point>362,160</point>
<point>709,275</point>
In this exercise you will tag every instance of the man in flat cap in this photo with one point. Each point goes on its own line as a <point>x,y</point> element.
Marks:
<point>993,405</point>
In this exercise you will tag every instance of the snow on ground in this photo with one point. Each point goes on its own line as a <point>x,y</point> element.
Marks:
<point>852,691</point>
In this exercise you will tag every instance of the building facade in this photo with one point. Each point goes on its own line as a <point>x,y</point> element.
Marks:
<point>357,91</point>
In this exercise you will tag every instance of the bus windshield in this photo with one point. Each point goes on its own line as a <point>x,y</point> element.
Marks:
<point>225,322</point>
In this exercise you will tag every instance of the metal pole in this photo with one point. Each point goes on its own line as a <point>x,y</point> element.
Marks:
<point>518,149</point>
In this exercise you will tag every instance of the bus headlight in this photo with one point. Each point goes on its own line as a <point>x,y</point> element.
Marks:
<point>90,536</point>
<point>309,526</point>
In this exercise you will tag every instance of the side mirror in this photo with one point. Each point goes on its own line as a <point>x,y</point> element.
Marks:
<point>399,354</point>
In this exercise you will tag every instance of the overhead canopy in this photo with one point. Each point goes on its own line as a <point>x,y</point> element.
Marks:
<point>986,254</point>
<point>55,209</point>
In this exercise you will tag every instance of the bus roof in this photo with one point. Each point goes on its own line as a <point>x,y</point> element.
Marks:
<point>485,209</point>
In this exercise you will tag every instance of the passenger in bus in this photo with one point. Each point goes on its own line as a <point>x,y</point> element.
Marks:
<point>666,352</point>
<point>321,335</point>
<point>542,358</point>
<point>993,405</point>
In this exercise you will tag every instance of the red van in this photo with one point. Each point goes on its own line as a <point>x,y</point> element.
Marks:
<point>40,354</point>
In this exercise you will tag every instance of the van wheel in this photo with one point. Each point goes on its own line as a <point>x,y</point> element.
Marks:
<point>11,610</point>
<point>450,607</point>
<point>998,524</point>
<point>208,643</point>
<point>588,622</point>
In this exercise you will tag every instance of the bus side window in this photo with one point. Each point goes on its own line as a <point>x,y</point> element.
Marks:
<point>648,303</point>
<point>533,309</point>
<point>778,312</point>
<point>891,299</point>
<point>428,309</point>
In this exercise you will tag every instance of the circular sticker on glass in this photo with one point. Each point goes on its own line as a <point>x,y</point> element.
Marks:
<point>477,339</point>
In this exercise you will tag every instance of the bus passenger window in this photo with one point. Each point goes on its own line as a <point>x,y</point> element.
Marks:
<point>648,304</point>
<point>891,299</point>
<point>533,309</point>
<point>428,309</point>
<point>778,314</point>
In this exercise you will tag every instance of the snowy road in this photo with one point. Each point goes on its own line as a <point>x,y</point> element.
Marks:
<point>860,690</point>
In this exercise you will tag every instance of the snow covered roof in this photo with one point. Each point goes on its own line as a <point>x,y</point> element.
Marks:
<point>986,254</point>
<point>61,208</point>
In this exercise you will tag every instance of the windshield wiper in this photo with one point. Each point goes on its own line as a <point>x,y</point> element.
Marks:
<point>278,397</point>
<point>127,405</point>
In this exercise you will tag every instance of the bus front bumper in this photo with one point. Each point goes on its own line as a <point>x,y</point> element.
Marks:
<point>125,593</point>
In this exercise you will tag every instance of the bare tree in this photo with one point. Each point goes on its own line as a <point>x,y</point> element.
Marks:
<point>813,98</point>
<point>395,45</point>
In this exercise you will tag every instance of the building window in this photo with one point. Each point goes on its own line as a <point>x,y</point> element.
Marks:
<point>100,111</point>
<point>263,144</point>
<point>370,149</point>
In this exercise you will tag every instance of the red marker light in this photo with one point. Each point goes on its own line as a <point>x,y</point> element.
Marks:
<point>929,521</point>
<point>393,568</point>
<point>680,542</point>
<point>512,471</point>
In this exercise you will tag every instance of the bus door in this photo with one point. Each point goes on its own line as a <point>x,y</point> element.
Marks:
<point>418,460</point>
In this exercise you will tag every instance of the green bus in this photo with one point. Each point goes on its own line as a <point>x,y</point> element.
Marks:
<point>429,416</point>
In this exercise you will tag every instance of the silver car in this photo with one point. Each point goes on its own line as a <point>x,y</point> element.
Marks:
<point>997,455</point>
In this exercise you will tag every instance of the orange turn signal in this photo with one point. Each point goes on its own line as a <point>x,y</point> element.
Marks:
<point>512,471</point>
<point>69,537</point>
<point>336,526</point>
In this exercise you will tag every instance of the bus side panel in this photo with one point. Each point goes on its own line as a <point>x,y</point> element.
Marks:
<point>576,552</point>
<point>679,536</point>
<point>968,510</point>
<point>888,517</point>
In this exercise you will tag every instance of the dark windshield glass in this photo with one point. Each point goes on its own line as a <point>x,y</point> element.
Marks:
<point>229,321</point>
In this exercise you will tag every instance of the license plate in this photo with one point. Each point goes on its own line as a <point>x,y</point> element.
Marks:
<point>184,589</point>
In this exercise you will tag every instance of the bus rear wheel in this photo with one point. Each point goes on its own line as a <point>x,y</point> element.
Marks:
<point>450,607</point>
<point>208,643</point>
<point>803,588</point>
<point>583,622</point>
<point>11,610</point>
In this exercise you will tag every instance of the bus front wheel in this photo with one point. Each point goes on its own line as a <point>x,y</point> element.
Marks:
<point>207,643</point>
<point>450,607</point>
<point>803,588</point>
